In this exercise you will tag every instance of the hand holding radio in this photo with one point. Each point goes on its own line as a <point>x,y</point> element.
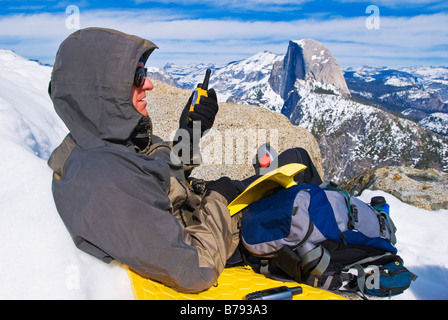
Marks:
<point>201,107</point>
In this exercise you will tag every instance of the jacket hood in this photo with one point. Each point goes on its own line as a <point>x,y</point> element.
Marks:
<point>91,85</point>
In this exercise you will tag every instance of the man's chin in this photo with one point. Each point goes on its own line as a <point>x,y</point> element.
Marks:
<point>142,108</point>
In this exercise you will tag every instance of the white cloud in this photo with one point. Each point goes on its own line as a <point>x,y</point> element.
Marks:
<point>409,40</point>
<point>396,3</point>
<point>254,5</point>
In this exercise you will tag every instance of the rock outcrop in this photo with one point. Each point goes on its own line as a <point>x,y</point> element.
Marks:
<point>426,189</point>
<point>229,148</point>
<point>307,59</point>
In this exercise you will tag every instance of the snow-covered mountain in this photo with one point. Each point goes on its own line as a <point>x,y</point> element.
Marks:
<point>188,76</point>
<point>354,137</point>
<point>244,82</point>
<point>429,78</point>
<point>417,93</point>
<point>360,117</point>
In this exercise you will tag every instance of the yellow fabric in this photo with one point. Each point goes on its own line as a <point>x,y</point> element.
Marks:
<point>233,284</point>
<point>283,176</point>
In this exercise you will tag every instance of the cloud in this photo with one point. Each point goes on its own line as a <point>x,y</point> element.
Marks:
<point>396,3</point>
<point>254,5</point>
<point>408,40</point>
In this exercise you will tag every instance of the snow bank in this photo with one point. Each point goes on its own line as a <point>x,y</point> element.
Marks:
<point>422,243</point>
<point>39,259</point>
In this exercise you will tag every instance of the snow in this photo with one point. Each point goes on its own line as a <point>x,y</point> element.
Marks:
<point>398,82</point>
<point>437,122</point>
<point>39,258</point>
<point>421,242</point>
<point>437,74</point>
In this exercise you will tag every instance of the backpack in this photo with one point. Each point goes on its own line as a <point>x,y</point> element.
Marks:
<point>323,237</point>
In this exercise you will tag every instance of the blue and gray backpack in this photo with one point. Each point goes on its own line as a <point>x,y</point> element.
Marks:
<point>323,237</point>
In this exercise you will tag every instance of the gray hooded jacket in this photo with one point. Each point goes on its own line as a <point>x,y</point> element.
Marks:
<point>116,203</point>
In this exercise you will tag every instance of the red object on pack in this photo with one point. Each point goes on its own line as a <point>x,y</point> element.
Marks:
<point>265,161</point>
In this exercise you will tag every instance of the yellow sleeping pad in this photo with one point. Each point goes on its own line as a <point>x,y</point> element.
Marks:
<point>233,284</point>
<point>281,177</point>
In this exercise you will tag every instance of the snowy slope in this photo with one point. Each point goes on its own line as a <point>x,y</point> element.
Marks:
<point>421,237</point>
<point>437,122</point>
<point>39,260</point>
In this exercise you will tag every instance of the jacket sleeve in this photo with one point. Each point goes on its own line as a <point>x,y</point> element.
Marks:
<point>187,259</point>
<point>216,235</point>
<point>154,244</point>
<point>125,214</point>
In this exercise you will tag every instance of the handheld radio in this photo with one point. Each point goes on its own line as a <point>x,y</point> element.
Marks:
<point>201,90</point>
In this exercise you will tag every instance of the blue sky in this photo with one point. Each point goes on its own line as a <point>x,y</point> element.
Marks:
<point>400,33</point>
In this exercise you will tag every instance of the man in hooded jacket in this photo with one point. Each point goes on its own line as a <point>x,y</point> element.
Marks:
<point>115,185</point>
<point>121,192</point>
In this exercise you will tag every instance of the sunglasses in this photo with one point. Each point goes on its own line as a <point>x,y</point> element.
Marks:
<point>140,76</point>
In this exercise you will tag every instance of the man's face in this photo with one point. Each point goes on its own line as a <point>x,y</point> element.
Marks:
<point>139,93</point>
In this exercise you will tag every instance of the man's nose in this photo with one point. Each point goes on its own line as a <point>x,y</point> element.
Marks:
<point>147,85</point>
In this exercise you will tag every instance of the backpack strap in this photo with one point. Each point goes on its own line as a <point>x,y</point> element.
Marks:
<point>315,261</point>
<point>289,262</point>
<point>386,223</point>
<point>353,220</point>
<point>360,280</point>
<point>371,259</point>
